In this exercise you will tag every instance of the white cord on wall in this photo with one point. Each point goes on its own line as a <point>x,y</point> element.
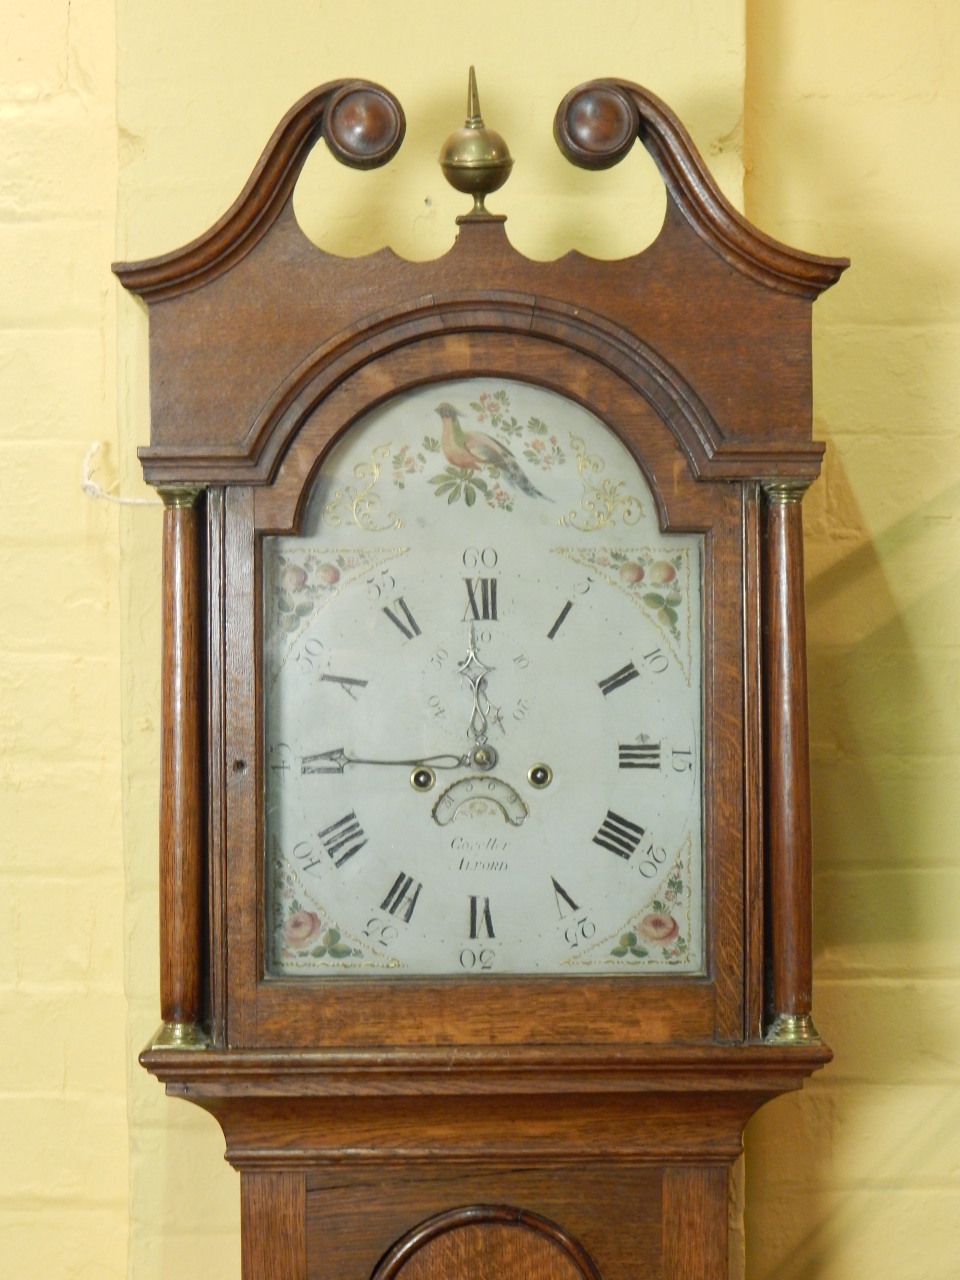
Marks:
<point>94,490</point>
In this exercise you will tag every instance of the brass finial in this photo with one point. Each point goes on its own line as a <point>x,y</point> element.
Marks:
<point>475,159</point>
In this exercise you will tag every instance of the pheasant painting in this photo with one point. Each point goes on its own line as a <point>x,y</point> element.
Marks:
<point>475,450</point>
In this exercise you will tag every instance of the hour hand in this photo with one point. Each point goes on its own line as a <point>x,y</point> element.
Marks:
<point>336,761</point>
<point>325,762</point>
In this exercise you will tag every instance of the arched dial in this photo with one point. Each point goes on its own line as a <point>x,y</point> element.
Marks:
<point>482,701</point>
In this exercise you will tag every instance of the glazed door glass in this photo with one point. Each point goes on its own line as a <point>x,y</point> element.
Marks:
<point>482,676</point>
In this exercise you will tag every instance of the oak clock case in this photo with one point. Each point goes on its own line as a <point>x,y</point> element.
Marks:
<point>484,842</point>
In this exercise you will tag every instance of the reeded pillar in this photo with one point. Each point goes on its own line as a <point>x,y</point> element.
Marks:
<point>181,773</point>
<point>788,842</point>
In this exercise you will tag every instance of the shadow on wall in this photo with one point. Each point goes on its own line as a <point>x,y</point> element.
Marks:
<point>814,1215</point>
<point>884,741</point>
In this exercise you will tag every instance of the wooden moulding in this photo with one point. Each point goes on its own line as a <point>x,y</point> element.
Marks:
<point>182,789</point>
<point>787,780</point>
<point>356,1116</point>
<point>362,124</point>
<point>597,124</point>
<point>496,1071</point>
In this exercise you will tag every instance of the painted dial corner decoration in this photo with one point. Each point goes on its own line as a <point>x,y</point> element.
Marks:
<point>482,702</point>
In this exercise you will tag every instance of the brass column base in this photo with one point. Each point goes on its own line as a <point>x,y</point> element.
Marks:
<point>793,1028</point>
<point>180,1035</point>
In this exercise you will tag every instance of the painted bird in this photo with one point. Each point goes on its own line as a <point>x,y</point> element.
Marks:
<point>474,450</point>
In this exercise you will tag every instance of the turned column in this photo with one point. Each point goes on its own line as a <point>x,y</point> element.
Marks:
<point>182,803</point>
<point>788,843</point>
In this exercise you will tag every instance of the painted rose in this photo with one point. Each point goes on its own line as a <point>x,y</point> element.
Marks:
<point>659,927</point>
<point>301,929</point>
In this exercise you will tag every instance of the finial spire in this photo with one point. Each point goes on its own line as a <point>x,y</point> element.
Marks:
<point>474,118</point>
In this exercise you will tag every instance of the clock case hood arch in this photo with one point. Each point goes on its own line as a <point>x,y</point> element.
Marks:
<point>264,349</point>
<point>214,382</point>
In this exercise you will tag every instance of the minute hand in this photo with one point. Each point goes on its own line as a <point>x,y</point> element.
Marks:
<point>337,760</point>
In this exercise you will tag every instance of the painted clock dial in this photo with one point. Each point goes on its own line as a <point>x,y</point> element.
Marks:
<point>482,701</point>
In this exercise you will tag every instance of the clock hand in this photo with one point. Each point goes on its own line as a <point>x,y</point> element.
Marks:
<point>480,756</point>
<point>475,672</point>
<point>337,760</point>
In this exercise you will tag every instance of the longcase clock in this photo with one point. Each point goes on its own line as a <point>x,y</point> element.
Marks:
<point>485,847</point>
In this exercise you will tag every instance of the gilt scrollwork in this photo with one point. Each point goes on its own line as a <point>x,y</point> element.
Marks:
<point>603,500</point>
<point>359,504</point>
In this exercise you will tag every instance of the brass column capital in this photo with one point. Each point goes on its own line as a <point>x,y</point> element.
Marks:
<point>785,488</point>
<point>179,496</point>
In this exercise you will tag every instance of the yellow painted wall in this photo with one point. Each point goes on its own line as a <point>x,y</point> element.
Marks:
<point>64,1065</point>
<point>846,115</point>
